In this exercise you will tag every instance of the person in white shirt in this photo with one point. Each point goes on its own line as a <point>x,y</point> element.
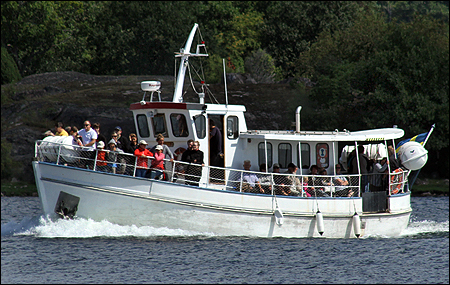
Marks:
<point>88,137</point>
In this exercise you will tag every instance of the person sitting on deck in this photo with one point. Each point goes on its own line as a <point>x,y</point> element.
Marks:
<point>250,182</point>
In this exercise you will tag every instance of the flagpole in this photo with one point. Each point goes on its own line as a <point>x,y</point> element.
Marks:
<point>428,136</point>
<point>413,179</point>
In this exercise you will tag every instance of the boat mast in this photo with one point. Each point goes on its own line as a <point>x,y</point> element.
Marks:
<point>184,54</point>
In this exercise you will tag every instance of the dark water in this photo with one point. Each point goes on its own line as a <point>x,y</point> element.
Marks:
<point>36,250</point>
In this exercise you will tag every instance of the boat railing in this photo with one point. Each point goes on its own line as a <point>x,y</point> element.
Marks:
<point>224,178</point>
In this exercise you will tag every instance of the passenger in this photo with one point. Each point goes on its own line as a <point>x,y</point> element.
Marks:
<point>215,140</point>
<point>265,179</point>
<point>73,130</point>
<point>393,161</point>
<point>122,141</point>
<point>88,138</point>
<point>182,126</point>
<point>133,141</point>
<point>68,129</point>
<point>313,179</point>
<point>100,137</point>
<point>157,165</point>
<point>143,155</point>
<point>166,150</point>
<point>279,181</point>
<point>194,157</point>
<point>115,136</point>
<point>295,187</point>
<point>60,131</point>
<point>250,182</point>
<point>380,173</point>
<point>111,156</point>
<point>322,182</point>
<point>362,166</point>
<point>341,182</point>
<point>306,189</point>
<point>101,157</point>
<point>350,158</point>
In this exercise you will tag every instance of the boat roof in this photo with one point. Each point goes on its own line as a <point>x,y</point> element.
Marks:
<point>188,106</point>
<point>365,135</point>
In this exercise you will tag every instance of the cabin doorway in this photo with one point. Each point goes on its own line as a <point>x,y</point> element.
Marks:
<point>215,147</point>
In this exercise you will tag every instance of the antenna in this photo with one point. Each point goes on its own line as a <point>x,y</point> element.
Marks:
<point>225,80</point>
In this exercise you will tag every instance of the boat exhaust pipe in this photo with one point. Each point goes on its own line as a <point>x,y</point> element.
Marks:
<point>297,119</point>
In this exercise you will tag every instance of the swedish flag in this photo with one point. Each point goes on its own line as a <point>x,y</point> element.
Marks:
<point>419,138</point>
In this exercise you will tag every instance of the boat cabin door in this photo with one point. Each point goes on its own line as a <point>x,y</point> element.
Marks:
<point>216,140</point>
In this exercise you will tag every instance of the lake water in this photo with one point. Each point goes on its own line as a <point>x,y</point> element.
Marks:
<point>36,250</point>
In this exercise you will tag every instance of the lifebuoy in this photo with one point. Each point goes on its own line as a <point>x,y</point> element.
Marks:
<point>396,181</point>
<point>179,152</point>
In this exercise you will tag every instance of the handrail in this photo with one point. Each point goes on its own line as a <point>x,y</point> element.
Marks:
<point>218,177</point>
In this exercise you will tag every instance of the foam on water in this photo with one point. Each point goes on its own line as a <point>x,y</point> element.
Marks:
<point>82,228</point>
<point>422,227</point>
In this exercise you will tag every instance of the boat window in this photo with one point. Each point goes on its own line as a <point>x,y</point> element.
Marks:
<point>232,127</point>
<point>179,125</point>
<point>200,126</point>
<point>306,156</point>
<point>159,125</point>
<point>322,151</point>
<point>262,154</point>
<point>284,154</point>
<point>142,124</point>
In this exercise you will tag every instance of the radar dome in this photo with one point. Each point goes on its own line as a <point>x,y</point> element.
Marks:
<point>150,85</point>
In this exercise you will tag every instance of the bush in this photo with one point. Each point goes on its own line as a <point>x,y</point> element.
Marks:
<point>9,166</point>
<point>261,66</point>
<point>10,72</point>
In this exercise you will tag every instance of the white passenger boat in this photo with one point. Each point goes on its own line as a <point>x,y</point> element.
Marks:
<point>220,202</point>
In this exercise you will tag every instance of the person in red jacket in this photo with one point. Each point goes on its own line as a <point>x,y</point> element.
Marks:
<point>143,155</point>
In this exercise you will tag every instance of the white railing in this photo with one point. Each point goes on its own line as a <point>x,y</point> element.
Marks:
<point>224,178</point>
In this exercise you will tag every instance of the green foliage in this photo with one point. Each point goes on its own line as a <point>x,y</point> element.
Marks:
<point>262,66</point>
<point>240,38</point>
<point>35,32</point>
<point>9,166</point>
<point>377,74</point>
<point>290,26</point>
<point>10,72</point>
<point>405,11</point>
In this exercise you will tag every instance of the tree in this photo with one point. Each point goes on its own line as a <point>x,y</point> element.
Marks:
<point>38,33</point>
<point>290,26</point>
<point>10,72</point>
<point>378,74</point>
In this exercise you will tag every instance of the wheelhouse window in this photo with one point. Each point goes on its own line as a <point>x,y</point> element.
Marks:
<point>200,126</point>
<point>159,125</point>
<point>322,157</point>
<point>284,154</point>
<point>142,125</point>
<point>232,127</point>
<point>179,125</point>
<point>262,154</point>
<point>305,154</point>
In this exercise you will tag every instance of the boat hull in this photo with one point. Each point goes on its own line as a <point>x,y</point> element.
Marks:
<point>127,200</point>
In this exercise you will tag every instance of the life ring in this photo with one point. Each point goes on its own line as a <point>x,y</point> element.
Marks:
<point>179,152</point>
<point>396,181</point>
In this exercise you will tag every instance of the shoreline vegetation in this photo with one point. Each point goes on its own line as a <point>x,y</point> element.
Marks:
<point>422,188</point>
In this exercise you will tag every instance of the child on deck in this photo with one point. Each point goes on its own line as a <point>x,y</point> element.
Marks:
<point>101,157</point>
<point>157,167</point>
